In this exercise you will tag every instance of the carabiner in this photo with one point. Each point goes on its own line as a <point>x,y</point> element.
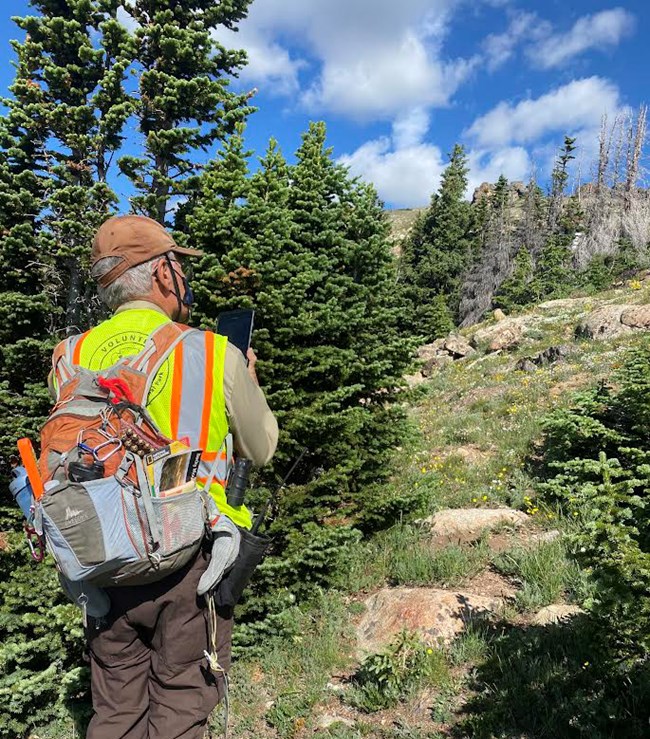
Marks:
<point>114,442</point>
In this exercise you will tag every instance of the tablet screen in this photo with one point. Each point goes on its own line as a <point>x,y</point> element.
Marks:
<point>237,325</point>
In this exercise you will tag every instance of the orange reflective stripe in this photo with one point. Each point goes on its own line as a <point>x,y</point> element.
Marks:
<point>76,356</point>
<point>207,392</point>
<point>211,456</point>
<point>218,480</point>
<point>177,388</point>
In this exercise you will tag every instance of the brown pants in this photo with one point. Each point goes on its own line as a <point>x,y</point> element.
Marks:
<point>149,676</point>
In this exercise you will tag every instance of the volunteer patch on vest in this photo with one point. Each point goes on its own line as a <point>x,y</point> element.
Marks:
<point>127,344</point>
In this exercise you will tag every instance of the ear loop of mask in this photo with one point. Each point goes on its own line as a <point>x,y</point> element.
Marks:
<point>188,297</point>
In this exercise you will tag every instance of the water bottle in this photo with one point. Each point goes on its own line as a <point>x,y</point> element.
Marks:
<point>22,491</point>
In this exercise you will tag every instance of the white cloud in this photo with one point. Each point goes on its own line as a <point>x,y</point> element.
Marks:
<point>404,169</point>
<point>269,64</point>
<point>410,128</point>
<point>371,58</point>
<point>487,166</point>
<point>598,31</point>
<point>500,47</point>
<point>570,108</point>
<point>381,84</point>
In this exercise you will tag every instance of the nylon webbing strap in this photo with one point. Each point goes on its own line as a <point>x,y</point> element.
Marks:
<point>145,492</point>
<point>149,349</point>
<point>228,444</point>
<point>61,366</point>
<point>160,360</point>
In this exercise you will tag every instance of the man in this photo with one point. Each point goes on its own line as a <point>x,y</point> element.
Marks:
<point>149,673</point>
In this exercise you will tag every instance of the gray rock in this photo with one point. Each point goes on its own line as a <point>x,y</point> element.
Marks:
<point>426,351</point>
<point>543,537</point>
<point>414,380</point>
<point>548,356</point>
<point>526,365</point>
<point>458,346</point>
<point>637,317</point>
<point>504,335</point>
<point>329,719</point>
<point>436,615</point>
<point>467,524</point>
<point>434,363</point>
<point>604,323</point>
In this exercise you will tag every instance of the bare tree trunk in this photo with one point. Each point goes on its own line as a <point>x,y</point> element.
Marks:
<point>618,137</point>
<point>604,147</point>
<point>636,141</point>
<point>73,300</point>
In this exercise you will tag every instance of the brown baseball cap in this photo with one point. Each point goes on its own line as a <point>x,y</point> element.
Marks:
<point>135,239</point>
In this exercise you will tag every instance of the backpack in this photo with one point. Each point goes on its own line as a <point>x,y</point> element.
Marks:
<point>106,516</point>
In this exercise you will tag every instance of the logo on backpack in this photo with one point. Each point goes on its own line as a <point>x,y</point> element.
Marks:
<point>71,514</point>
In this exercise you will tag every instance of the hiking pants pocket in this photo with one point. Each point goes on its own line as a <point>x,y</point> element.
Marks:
<point>251,552</point>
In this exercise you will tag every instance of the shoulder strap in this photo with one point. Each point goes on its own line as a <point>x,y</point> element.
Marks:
<point>62,362</point>
<point>159,346</point>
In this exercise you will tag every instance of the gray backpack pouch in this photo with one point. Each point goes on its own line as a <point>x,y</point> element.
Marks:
<point>87,528</point>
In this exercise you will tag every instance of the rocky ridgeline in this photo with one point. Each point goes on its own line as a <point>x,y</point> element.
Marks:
<point>583,318</point>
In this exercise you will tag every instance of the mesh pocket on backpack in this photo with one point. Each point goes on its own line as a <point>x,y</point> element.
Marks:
<point>180,521</point>
<point>136,522</point>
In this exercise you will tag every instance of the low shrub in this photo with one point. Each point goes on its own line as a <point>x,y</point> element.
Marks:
<point>597,470</point>
<point>385,679</point>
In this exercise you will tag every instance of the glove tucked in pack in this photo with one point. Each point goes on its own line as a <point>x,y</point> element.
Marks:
<point>226,540</point>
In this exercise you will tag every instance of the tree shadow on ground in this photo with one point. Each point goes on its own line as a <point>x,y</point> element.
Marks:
<point>543,682</point>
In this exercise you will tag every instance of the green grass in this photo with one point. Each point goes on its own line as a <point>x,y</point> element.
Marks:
<point>397,673</point>
<point>547,683</point>
<point>403,555</point>
<point>472,646</point>
<point>279,689</point>
<point>546,575</point>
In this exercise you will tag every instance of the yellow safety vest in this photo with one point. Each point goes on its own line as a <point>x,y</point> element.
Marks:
<point>186,399</point>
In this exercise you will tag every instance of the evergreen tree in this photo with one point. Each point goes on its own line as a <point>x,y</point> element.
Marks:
<point>74,58</point>
<point>60,130</point>
<point>517,291</point>
<point>321,280</point>
<point>220,229</point>
<point>559,180</point>
<point>441,247</point>
<point>183,104</point>
<point>554,274</point>
<point>494,261</point>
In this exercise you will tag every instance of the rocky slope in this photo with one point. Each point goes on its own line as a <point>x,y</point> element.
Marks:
<point>481,571</point>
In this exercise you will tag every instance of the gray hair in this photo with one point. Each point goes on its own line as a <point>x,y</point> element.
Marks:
<point>136,282</point>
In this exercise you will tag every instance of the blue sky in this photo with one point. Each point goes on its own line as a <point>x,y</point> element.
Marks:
<point>398,83</point>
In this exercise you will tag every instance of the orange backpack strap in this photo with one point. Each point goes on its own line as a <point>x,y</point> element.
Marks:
<point>61,363</point>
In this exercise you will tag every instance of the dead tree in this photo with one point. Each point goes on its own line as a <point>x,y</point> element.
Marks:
<point>635,142</point>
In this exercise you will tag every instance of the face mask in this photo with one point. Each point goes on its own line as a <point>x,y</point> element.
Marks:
<point>188,296</point>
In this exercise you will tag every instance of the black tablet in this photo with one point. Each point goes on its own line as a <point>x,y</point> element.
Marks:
<point>237,325</point>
